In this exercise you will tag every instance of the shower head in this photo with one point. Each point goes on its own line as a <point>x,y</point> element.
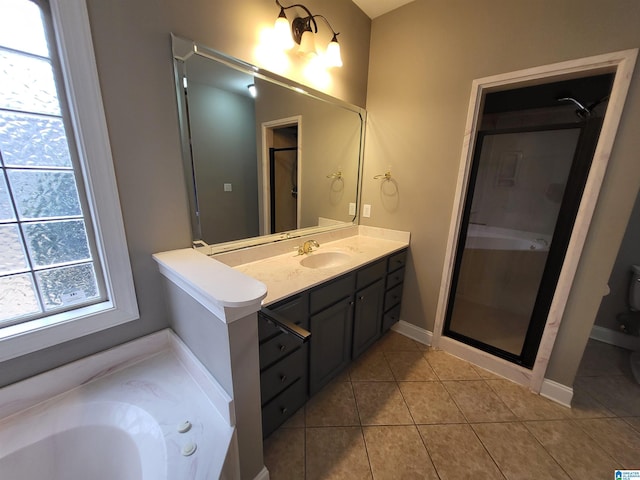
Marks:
<point>582,111</point>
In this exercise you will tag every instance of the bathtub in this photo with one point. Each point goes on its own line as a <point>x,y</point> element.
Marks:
<point>483,237</point>
<point>154,414</point>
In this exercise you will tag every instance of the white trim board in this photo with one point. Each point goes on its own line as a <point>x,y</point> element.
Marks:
<point>557,392</point>
<point>414,333</point>
<point>613,337</point>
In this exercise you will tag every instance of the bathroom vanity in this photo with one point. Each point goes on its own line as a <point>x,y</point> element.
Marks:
<point>345,316</point>
<point>323,310</point>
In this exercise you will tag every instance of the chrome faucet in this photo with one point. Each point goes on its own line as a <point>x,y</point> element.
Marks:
<point>307,247</point>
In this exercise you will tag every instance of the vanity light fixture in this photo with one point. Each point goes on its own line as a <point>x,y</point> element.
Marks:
<point>252,90</point>
<point>302,32</point>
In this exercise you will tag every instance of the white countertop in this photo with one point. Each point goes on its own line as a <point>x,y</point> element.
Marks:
<point>285,276</point>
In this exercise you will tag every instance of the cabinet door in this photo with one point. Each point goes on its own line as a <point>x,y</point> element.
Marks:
<point>330,343</point>
<point>367,323</point>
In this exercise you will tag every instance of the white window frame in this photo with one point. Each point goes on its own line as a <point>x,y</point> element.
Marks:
<point>75,48</point>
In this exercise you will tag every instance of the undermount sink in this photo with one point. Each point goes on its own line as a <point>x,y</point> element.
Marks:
<point>324,259</point>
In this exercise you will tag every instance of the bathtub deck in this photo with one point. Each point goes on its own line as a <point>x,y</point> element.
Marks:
<point>162,386</point>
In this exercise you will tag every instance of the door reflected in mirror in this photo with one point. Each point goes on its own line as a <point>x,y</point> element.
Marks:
<point>260,166</point>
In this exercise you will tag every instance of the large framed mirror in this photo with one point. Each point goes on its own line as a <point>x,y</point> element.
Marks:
<point>265,159</point>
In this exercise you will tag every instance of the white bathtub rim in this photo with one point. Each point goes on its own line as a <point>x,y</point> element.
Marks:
<point>519,239</point>
<point>84,381</point>
<point>18,397</point>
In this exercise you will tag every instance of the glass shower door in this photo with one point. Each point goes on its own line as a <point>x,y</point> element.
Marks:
<point>514,216</point>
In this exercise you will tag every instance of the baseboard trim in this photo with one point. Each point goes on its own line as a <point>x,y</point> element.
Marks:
<point>262,475</point>
<point>557,392</point>
<point>613,337</point>
<point>415,333</point>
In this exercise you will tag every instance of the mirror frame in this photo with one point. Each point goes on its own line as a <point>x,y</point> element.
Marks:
<point>182,50</point>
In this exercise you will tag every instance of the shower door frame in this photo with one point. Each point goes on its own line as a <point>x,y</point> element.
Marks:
<point>622,64</point>
<point>577,175</point>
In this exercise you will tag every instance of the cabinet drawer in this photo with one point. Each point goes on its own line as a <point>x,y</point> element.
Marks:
<point>391,317</point>
<point>369,274</point>
<point>282,374</point>
<point>395,278</point>
<point>279,346</point>
<point>397,260</point>
<point>327,295</point>
<point>278,410</point>
<point>293,309</point>
<point>392,297</point>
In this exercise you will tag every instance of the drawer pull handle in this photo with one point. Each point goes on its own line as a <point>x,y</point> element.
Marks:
<point>282,348</point>
<point>284,410</point>
<point>283,378</point>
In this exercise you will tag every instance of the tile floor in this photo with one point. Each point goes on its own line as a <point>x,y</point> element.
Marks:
<point>405,411</point>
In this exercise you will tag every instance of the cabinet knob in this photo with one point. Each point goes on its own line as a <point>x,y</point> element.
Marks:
<point>284,410</point>
<point>282,348</point>
<point>283,378</point>
<point>361,297</point>
<point>351,303</point>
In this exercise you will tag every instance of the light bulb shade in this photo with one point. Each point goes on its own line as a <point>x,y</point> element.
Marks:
<point>332,55</point>
<point>307,44</point>
<point>282,33</point>
<point>252,90</point>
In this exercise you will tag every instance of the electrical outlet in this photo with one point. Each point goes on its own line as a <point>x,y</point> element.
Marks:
<point>366,210</point>
<point>352,209</point>
<point>227,187</point>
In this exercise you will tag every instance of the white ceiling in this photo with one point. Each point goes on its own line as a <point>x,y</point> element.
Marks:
<point>375,8</point>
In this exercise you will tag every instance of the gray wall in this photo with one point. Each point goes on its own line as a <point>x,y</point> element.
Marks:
<point>223,145</point>
<point>424,57</point>
<point>133,51</point>
<point>330,141</point>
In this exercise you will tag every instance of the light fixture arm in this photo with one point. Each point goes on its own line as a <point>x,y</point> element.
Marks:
<point>301,24</point>
<point>335,34</point>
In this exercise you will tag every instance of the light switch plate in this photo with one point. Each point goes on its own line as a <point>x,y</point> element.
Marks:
<point>227,187</point>
<point>366,210</point>
<point>352,209</point>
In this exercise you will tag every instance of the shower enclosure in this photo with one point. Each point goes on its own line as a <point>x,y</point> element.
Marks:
<point>531,160</point>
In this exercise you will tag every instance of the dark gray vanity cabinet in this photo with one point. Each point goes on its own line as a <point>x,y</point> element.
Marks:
<point>369,297</point>
<point>284,363</point>
<point>331,325</point>
<point>393,289</point>
<point>345,317</point>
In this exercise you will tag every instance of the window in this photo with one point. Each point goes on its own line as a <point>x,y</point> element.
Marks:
<point>64,268</point>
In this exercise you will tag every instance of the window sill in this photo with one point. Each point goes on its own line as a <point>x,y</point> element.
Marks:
<point>27,337</point>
